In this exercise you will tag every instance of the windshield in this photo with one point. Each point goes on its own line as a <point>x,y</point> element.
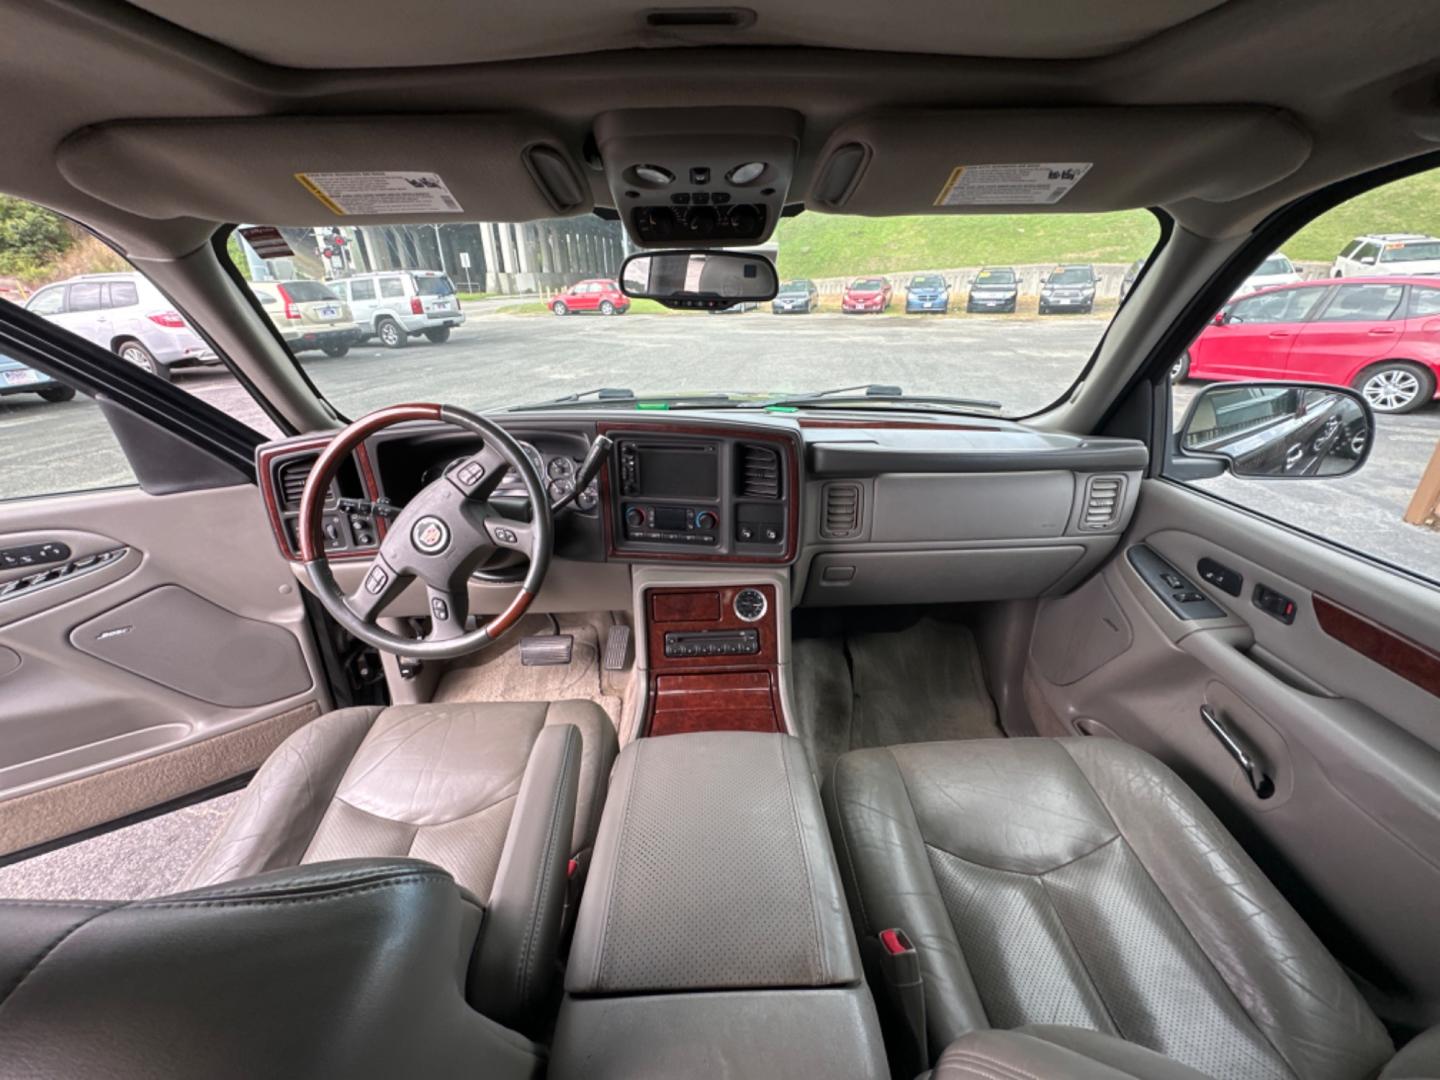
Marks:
<point>1276,264</point>
<point>1427,250</point>
<point>516,314</point>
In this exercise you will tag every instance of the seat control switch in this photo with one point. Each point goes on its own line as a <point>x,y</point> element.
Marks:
<point>1222,577</point>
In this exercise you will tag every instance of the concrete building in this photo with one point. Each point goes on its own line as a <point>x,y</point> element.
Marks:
<point>480,256</point>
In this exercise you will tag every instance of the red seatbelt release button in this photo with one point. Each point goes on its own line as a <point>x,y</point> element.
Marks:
<point>896,942</point>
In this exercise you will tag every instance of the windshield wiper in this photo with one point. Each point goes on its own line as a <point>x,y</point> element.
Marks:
<point>607,396</point>
<point>876,393</point>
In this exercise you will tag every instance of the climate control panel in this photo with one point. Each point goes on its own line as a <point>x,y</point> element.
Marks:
<point>672,524</point>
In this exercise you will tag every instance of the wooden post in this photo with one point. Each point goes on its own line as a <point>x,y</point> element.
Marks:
<point>1424,508</point>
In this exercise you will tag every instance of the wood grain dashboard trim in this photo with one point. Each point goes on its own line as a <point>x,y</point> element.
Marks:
<point>1410,660</point>
<point>791,451</point>
<point>265,458</point>
<point>710,693</point>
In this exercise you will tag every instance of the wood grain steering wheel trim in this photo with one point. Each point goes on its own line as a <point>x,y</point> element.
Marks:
<point>312,547</point>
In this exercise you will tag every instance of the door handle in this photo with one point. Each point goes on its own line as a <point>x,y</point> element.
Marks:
<point>1294,454</point>
<point>1235,746</point>
<point>1278,334</point>
<point>1379,330</point>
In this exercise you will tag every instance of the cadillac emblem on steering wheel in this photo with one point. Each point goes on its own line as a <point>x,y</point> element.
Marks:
<point>430,535</point>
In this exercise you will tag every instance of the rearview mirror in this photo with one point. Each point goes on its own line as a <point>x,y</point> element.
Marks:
<point>700,280</point>
<point>1279,430</point>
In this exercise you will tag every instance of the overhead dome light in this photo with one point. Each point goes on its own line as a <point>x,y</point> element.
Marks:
<point>746,174</point>
<point>654,174</point>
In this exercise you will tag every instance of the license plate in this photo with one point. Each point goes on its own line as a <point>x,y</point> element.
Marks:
<point>442,303</point>
<point>22,378</point>
<point>329,311</point>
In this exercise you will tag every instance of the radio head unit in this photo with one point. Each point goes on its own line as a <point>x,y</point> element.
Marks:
<point>669,470</point>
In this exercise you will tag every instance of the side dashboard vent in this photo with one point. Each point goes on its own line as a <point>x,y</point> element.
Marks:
<point>1104,496</point>
<point>759,472</point>
<point>841,519</point>
<point>290,477</point>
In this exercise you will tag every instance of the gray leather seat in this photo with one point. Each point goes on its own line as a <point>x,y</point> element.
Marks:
<point>500,795</point>
<point>433,782</point>
<point>1080,883</point>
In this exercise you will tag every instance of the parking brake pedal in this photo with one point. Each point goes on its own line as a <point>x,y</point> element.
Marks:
<point>546,650</point>
<point>617,648</point>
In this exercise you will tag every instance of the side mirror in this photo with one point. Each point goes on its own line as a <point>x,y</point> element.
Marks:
<point>699,280</point>
<point>1278,430</point>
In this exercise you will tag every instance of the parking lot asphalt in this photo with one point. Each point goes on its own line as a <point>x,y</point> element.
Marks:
<point>498,360</point>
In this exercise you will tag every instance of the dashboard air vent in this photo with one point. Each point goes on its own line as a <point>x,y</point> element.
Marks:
<point>842,511</point>
<point>1104,495</point>
<point>290,478</point>
<point>759,472</point>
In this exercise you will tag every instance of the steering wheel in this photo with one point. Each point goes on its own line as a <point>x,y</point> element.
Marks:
<point>440,536</point>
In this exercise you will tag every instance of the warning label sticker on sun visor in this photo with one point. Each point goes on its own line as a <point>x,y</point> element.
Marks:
<point>1011,185</point>
<point>366,193</point>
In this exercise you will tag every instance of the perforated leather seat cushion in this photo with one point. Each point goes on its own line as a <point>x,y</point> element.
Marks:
<point>432,782</point>
<point>1079,882</point>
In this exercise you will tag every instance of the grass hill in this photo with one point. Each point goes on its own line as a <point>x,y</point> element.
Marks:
<point>828,245</point>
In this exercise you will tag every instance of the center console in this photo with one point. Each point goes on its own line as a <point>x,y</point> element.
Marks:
<point>713,649</point>
<point>713,937</point>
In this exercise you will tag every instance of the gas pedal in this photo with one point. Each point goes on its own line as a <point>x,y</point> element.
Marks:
<point>617,648</point>
<point>546,650</point>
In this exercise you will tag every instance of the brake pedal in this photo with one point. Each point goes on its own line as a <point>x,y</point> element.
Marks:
<point>617,648</point>
<point>546,650</point>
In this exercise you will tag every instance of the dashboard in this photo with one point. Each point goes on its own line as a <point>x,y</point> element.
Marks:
<point>859,509</point>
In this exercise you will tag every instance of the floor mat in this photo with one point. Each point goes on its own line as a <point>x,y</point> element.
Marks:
<point>145,859</point>
<point>496,674</point>
<point>922,683</point>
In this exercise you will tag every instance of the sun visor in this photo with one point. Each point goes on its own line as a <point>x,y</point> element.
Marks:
<point>309,170</point>
<point>1068,160</point>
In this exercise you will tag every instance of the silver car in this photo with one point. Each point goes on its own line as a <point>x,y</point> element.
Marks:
<point>127,315</point>
<point>394,305</point>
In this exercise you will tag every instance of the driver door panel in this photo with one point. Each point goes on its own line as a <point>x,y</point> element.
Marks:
<point>167,652</point>
<point>1345,723</point>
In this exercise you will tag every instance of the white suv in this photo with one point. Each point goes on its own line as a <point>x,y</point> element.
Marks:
<point>1389,254</point>
<point>392,305</point>
<point>127,315</point>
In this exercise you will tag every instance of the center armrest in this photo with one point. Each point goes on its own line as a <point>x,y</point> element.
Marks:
<point>713,870</point>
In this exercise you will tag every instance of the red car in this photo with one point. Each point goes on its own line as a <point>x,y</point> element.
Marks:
<point>1380,335</point>
<point>597,294</point>
<point>866,294</point>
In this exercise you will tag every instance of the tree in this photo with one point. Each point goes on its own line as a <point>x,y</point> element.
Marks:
<point>31,238</point>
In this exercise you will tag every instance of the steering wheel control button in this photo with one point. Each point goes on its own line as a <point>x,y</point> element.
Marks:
<point>750,605</point>
<point>376,580</point>
<point>470,473</point>
<point>439,610</point>
<point>506,536</point>
<point>430,535</point>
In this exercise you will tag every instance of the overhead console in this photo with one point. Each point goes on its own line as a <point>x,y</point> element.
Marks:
<point>702,493</point>
<point>699,177</point>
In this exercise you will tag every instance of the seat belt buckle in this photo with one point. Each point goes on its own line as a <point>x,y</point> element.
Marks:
<point>905,993</point>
